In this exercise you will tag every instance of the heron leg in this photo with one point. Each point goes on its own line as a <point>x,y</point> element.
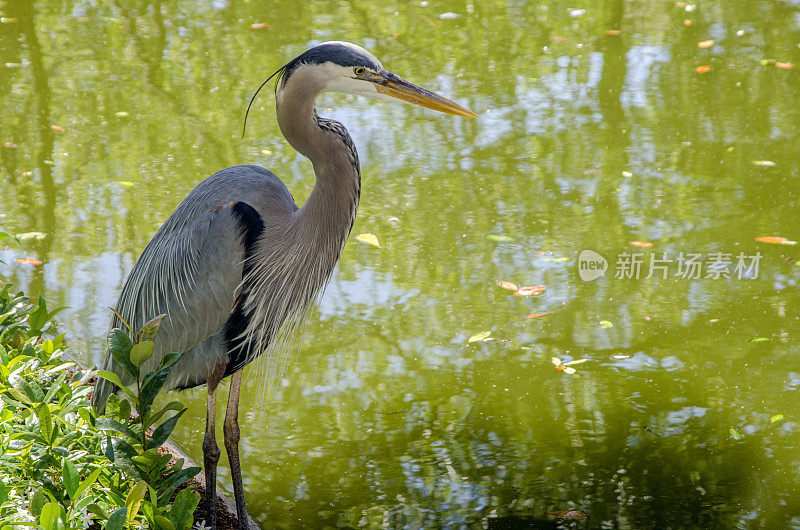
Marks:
<point>231,430</point>
<point>210,449</point>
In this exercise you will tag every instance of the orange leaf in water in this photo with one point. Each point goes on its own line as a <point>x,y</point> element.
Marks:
<point>784,66</point>
<point>560,367</point>
<point>260,25</point>
<point>705,43</point>
<point>641,244</point>
<point>556,38</point>
<point>29,261</point>
<point>775,240</point>
<point>507,285</point>
<point>703,69</point>
<point>530,290</point>
<point>613,32</point>
<point>568,514</point>
<point>537,315</point>
<point>57,128</point>
<point>687,22</point>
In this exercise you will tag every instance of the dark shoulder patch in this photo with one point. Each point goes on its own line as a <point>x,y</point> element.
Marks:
<point>252,226</point>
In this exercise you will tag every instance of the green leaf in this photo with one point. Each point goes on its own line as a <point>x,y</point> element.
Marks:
<point>500,238</point>
<point>3,492</point>
<point>114,378</point>
<point>45,422</point>
<point>163,523</point>
<point>141,352</point>
<point>38,318</point>
<point>606,324</point>
<point>174,480</point>
<point>150,329</point>
<point>86,484</point>
<point>757,339</point>
<point>134,500</point>
<point>109,424</point>
<point>120,344</point>
<point>52,516</point>
<point>155,380</point>
<point>117,520</point>
<point>37,502</point>
<point>69,473</point>
<point>736,434</point>
<point>181,513</point>
<point>162,432</point>
<point>21,385</point>
<point>155,417</point>
<point>776,417</point>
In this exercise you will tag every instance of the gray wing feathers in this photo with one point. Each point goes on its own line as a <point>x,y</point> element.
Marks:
<point>190,273</point>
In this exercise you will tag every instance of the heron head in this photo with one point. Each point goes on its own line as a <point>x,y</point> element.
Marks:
<point>344,67</point>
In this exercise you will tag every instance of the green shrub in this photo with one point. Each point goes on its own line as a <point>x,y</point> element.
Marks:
<point>61,463</point>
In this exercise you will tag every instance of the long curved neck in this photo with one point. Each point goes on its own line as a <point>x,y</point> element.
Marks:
<point>331,207</point>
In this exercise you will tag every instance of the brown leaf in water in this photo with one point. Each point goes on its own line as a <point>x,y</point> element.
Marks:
<point>784,66</point>
<point>645,244</point>
<point>530,290</point>
<point>537,315</point>
<point>775,240</point>
<point>507,285</point>
<point>568,514</point>
<point>705,43</point>
<point>29,261</point>
<point>260,25</point>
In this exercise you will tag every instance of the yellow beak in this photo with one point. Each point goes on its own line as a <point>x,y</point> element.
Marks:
<point>397,87</point>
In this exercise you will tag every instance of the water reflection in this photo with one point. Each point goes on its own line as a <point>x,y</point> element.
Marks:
<point>585,141</point>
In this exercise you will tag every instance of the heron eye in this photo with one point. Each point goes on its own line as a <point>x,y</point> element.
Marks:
<point>359,70</point>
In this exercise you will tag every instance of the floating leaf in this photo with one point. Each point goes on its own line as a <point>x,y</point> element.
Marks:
<point>735,434</point>
<point>500,238</point>
<point>557,259</point>
<point>620,356</point>
<point>606,324</point>
<point>506,285</point>
<point>784,66</point>
<point>687,22</point>
<point>126,183</point>
<point>530,290</point>
<point>627,174</point>
<point>613,32</point>
<point>645,244</point>
<point>57,128</point>
<point>567,369</point>
<point>775,240</point>
<point>557,38</point>
<point>121,114</point>
<point>703,69</point>
<point>757,339</point>
<point>576,361</point>
<point>483,335</point>
<point>556,361</point>
<point>448,15</point>
<point>260,25</point>
<point>266,152</point>
<point>9,145</point>
<point>31,235</point>
<point>29,261</point>
<point>776,417</point>
<point>705,43</point>
<point>537,315</point>
<point>763,163</point>
<point>568,514</point>
<point>368,239</point>
<point>592,171</point>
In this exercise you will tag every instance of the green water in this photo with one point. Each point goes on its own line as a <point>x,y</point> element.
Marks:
<point>584,140</point>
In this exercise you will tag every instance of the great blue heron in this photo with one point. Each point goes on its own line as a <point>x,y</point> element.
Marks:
<point>237,263</point>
